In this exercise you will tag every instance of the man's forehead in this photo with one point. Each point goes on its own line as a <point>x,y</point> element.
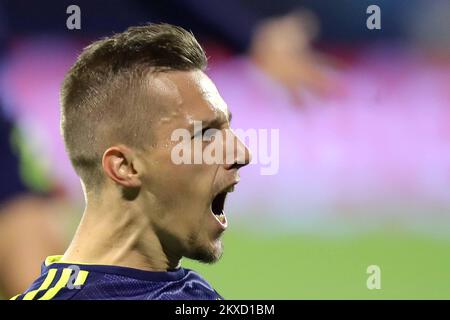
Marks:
<point>211,94</point>
<point>191,94</point>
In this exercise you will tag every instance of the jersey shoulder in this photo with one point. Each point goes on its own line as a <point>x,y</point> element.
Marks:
<point>56,283</point>
<point>64,281</point>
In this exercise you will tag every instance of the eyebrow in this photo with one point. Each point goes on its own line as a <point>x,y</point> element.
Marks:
<point>218,119</point>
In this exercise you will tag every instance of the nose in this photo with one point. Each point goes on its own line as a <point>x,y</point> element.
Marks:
<point>242,155</point>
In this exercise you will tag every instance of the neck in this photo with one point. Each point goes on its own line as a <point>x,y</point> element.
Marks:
<point>120,235</point>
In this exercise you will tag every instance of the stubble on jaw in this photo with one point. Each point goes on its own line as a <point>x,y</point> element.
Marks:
<point>209,255</point>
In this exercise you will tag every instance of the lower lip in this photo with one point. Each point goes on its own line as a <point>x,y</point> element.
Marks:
<point>223,225</point>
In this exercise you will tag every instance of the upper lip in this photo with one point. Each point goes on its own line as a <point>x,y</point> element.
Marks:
<point>228,187</point>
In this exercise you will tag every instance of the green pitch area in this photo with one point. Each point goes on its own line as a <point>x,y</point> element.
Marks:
<point>312,267</point>
<point>259,266</point>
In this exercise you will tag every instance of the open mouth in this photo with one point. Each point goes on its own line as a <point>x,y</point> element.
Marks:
<point>218,204</point>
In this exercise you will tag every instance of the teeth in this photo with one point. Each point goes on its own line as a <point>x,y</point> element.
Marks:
<point>221,218</point>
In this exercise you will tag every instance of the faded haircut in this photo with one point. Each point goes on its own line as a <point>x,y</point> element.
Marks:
<point>103,95</point>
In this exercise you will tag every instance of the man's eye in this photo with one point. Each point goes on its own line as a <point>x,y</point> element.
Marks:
<point>201,134</point>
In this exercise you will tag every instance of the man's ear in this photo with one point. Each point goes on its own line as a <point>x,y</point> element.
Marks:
<point>117,162</point>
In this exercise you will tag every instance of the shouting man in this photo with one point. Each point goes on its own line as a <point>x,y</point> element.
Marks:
<point>121,103</point>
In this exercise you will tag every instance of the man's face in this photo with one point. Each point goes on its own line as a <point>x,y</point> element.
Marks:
<point>189,197</point>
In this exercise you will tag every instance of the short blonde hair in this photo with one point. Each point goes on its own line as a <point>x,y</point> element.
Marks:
<point>101,95</point>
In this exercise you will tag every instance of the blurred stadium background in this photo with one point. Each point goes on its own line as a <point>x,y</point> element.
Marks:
<point>364,123</point>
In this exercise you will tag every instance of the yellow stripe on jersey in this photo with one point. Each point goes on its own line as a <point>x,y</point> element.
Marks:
<point>57,259</point>
<point>15,297</point>
<point>81,278</point>
<point>44,286</point>
<point>52,259</point>
<point>62,282</point>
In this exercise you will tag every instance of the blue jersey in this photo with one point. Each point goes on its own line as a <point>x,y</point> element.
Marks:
<point>72,281</point>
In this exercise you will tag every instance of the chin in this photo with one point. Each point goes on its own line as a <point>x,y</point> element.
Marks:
<point>209,254</point>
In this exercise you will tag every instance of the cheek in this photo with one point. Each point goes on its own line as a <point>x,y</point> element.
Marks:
<point>181,188</point>
<point>189,181</point>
